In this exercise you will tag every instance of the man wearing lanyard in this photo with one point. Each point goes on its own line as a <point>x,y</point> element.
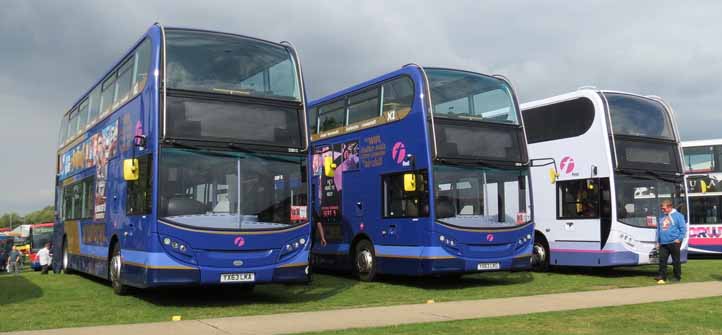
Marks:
<point>671,230</point>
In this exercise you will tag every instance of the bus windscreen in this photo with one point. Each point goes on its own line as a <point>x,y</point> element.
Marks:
<point>638,116</point>
<point>222,63</point>
<point>231,190</point>
<point>470,96</point>
<point>638,198</point>
<point>473,197</point>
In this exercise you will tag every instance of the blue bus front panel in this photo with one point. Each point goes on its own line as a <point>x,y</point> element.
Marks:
<point>188,256</point>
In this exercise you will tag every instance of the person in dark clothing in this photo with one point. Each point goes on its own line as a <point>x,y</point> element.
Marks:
<point>671,230</point>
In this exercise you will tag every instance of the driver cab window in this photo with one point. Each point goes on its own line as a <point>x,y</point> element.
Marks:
<point>578,199</point>
<point>399,203</point>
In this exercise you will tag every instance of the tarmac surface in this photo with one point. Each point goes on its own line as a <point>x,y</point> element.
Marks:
<point>288,323</point>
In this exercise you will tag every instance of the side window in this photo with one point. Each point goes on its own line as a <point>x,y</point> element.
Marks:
<point>699,159</point>
<point>313,120</point>
<point>363,106</point>
<point>398,95</point>
<point>125,80</point>
<point>142,66</point>
<point>560,120</point>
<point>73,123</point>
<point>78,200</point>
<point>140,191</point>
<point>108,94</point>
<point>399,203</point>
<point>578,199</point>
<point>94,109</point>
<point>332,115</point>
<point>63,135</point>
<point>83,115</point>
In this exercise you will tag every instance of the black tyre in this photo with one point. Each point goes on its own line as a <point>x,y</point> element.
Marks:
<point>364,263</point>
<point>65,265</point>
<point>540,255</point>
<point>115,269</point>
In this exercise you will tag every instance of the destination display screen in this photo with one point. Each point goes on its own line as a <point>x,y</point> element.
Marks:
<point>648,155</point>
<point>480,141</point>
<point>203,118</point>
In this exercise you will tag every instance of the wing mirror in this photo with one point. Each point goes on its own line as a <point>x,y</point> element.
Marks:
<point>130,169</point>
<point>328,166</point>
<point>409,182</point>
<point>553,172</point>
<point>553,175</point>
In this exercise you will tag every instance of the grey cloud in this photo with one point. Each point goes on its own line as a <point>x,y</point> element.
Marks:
<point>51,52</point>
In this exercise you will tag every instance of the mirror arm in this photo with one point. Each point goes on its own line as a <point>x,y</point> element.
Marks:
<point>550,160</point>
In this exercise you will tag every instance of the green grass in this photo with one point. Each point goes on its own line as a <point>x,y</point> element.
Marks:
<point>74,300</point>
<point>699,316</point>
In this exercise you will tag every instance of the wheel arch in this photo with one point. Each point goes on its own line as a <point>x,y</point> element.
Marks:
<point>358,238</point>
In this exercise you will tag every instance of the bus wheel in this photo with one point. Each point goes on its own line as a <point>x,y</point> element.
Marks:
<point>540,255</point>
<point>365,261</point>
<point>66,258</point>
<point>115,266</point>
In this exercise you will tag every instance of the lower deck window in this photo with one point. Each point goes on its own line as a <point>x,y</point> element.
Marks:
<point>578,199</point>
<point>140,192</point>
<point>400,203</point>
<point>78,199</point>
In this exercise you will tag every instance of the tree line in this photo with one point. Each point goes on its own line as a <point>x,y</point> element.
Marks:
<point>46,214</point>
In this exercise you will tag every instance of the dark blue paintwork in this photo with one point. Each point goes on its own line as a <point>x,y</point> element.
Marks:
<point>146,261</point>
<point>406,246</point>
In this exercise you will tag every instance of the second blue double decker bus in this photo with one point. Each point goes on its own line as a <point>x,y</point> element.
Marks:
<point>421,172</point>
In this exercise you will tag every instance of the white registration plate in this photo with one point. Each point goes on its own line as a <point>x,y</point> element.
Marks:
<point>488,266</point>
<point>238,277</point>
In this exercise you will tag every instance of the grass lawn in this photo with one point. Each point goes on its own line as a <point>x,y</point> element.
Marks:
<point>74,300</point>
<point>700,316</point>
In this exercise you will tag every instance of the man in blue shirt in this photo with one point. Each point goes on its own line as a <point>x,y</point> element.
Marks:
<point>671,230</point>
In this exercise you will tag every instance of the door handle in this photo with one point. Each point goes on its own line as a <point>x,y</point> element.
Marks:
<point>359,205</point>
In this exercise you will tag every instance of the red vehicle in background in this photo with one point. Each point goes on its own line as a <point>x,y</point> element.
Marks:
<point>40,233</point>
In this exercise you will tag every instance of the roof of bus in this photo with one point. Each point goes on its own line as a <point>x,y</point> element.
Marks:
<point>137,42</point>
<point>44,224</point>
<point>701,143</point>
<point>404,69</point>
<point>109,70</point>
<point>583,91</point>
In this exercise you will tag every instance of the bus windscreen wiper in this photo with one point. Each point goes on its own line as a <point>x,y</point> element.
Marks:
<point>654,174</point>
<point>237,147</point>
<point>183,145</point>
<point>476,163</point>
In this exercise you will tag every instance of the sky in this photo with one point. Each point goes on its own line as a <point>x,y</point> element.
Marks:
<point>51,52</point>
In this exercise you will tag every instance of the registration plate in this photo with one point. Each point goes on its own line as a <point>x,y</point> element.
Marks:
<point>488,266</point>
<point>238,277</point>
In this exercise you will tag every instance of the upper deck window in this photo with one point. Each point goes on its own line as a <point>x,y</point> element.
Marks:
<point>332,116</point>
<point>559,120</point>
<point>372,106</point>
<point>639,116</point>
<point>699,159</point>
<point>363,106</point>
<point>228,64</point>
<point>470,96</point>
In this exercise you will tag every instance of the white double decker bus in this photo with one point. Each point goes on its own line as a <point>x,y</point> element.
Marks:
<point>703,167</point>
<point>603,161</point>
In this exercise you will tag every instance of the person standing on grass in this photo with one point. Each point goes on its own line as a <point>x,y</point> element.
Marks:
<point>14,261</point>
<point>671,230</point>
<point>44,258</point>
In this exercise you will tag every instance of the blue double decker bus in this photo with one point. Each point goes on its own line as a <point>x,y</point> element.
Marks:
<point>421,172</point>
<point>186,164</point>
